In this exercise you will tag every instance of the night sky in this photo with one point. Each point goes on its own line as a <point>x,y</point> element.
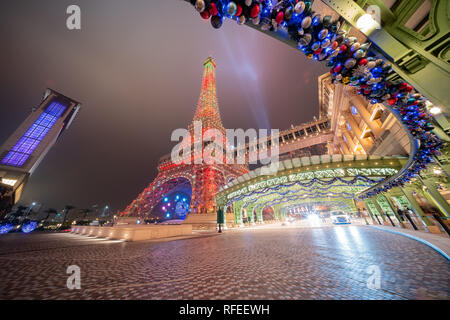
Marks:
<point>136,67</point>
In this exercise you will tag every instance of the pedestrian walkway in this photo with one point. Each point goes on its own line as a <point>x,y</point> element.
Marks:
<point>440,243</point>
<point>284,263</point>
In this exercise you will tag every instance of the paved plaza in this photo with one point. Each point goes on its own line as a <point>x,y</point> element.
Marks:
<point>266,263</point>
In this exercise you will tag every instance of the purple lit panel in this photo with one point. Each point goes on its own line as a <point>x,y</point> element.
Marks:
<point>23,149</point>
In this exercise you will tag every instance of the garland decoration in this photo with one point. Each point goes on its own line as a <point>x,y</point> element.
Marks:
<point>313,182</point>
<point>350,62</point>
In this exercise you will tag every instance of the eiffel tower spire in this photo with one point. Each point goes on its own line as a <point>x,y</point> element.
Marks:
<point>208,108</point>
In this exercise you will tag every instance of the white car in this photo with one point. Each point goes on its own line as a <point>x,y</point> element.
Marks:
<point>339,217</point>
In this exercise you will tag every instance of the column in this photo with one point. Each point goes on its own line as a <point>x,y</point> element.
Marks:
<point>374,221</point>
<point>416,207</point>
<point>259,216</point>
<point>276,213</point>
<point>444,166</point>
<point>380,211</point>
<point>350,142</point>
<point>376,217</point>
<point>344,146</point>
<point>224,208</point>
<point>250,215</point>
<point>237,214</point>
<point>387,211</point>
<point>365,115</point>
<point>437,217</point>
<point>356,131</point>
<point>392,205</point>
<point>437,198</point>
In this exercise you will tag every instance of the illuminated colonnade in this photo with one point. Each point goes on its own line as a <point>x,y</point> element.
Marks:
<point>329,179</point>
<point>303,180</point>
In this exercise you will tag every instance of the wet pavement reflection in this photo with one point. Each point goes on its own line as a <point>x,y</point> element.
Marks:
<point>341,262</point>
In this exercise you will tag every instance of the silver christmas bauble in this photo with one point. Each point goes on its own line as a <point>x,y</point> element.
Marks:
<point>350,63</point>
<point>306,23</point>
<point>299,7</point>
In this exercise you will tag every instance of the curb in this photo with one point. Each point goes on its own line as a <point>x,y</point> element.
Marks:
<point>434,247</point>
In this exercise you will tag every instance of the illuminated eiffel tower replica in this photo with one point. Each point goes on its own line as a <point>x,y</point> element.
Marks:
<point>188,190</point>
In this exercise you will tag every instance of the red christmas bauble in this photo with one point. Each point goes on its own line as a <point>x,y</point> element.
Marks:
<point>213,10</point>
<point>254,12</point>
<point>343,48</point>
<point>362,62</point>
<point>205,15</point>
<point>403,85</point>
<point>392,101</point>
<point>238,11</point>
<point>280,17</point>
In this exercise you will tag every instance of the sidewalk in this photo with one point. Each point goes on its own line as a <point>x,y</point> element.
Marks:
<point>440,243</point>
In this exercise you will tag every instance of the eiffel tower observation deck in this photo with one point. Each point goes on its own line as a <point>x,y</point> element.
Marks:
<point>187,189</point>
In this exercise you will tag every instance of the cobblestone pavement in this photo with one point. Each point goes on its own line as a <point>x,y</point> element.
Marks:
<point>314,263</point>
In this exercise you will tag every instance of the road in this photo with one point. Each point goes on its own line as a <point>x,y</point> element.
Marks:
<point>266,263</point>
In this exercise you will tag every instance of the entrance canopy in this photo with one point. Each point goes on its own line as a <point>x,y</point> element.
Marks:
<point>316,179</point>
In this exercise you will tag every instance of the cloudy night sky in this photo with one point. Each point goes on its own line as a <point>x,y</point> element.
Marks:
<point>136,67</point>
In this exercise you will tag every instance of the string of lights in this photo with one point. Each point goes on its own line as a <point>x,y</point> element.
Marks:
<point>306,192</point>
<point>308,184</point>
<point>283,199</point>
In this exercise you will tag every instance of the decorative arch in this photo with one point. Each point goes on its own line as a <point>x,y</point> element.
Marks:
<point>160,202</point>
<point>179,175</point>
<point>305,180</point>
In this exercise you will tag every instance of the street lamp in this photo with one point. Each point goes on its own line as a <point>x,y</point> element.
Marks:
<point>30,209</point>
